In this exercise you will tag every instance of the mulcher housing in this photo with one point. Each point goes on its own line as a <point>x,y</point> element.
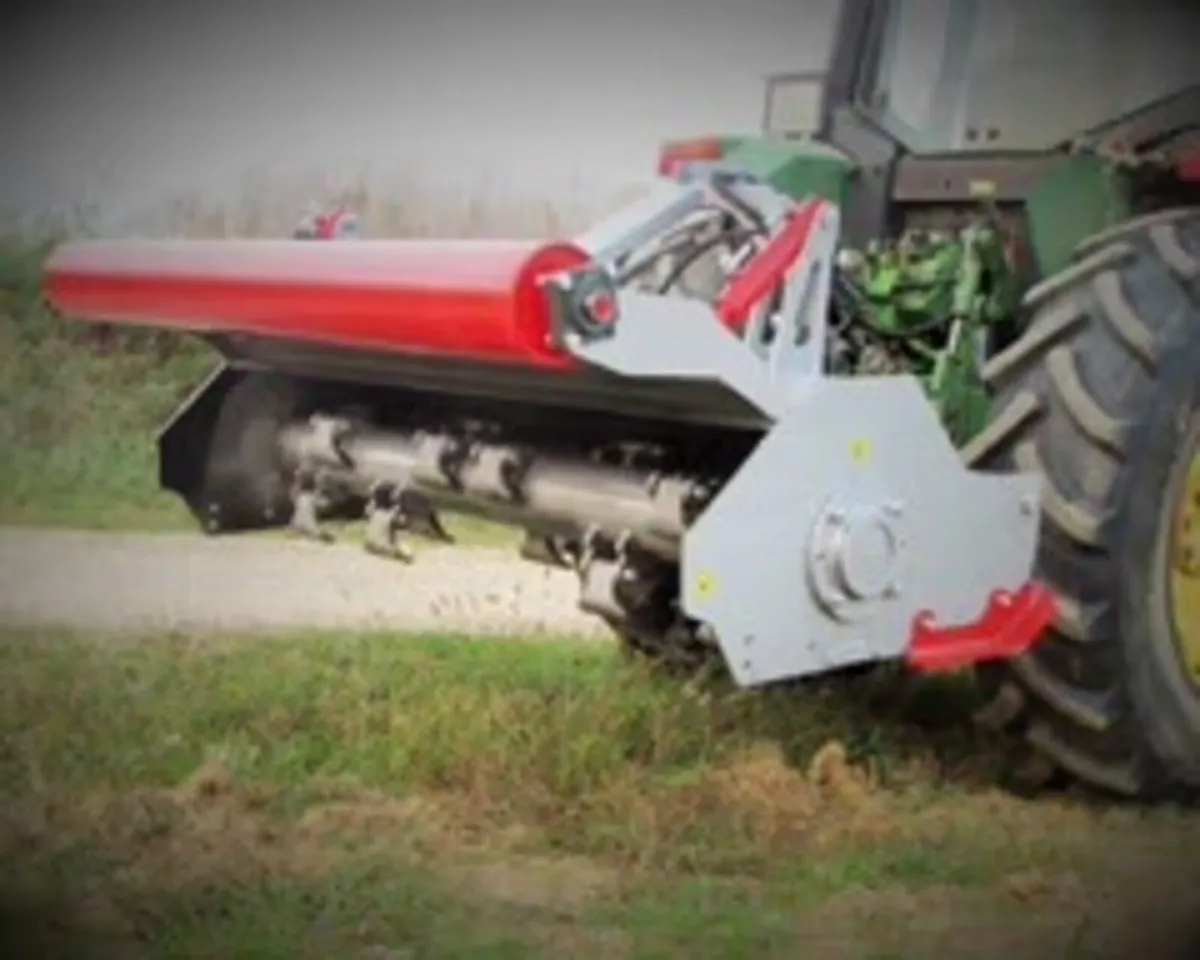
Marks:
<point>806,405</point>
<point>872,508</point>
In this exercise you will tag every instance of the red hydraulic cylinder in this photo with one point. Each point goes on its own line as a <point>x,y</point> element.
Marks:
<point>466,299</point>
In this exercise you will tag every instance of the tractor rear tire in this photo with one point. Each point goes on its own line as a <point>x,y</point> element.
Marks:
<point>1101,397</point>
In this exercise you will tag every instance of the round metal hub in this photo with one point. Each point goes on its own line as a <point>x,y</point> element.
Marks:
<point>853,559</point>
<point>863,558</point>
<point>1184,559</point>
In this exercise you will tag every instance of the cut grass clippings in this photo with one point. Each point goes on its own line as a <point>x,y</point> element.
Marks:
<point>330,795</point>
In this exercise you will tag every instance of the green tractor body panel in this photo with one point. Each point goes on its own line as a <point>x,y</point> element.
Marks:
<point>1078,198</point>
<point>800,168</point>
<point>797,168</point>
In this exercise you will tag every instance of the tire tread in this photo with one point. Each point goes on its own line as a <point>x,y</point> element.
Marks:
<point>1054,415</point>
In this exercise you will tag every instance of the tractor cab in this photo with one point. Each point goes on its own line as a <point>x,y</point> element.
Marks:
<point>982,76</point>
<point>923,107</point>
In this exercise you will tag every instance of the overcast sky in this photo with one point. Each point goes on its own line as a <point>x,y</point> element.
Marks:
<point>130,100</point>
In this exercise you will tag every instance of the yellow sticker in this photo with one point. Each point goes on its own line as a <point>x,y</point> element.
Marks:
<point>982,189</point>
<point>860,450</point>
<point>706,586</point>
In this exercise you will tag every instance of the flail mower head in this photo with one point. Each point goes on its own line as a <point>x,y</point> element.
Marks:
<point>694,460</point>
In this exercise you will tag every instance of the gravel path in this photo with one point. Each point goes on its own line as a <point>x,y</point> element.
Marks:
<point>135,582</point>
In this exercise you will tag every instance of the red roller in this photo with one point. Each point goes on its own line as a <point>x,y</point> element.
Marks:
<point>466,299</point>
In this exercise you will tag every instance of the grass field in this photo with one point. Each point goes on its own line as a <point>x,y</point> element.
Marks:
<point>388,797</point>
<point>359,796</point>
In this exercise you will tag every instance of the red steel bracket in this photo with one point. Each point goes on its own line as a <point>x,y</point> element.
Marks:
<point>677,155</point>
<point>760,274</point>
<point>1011,625</point>
<point>1187,168</point>
<point>329,225</point>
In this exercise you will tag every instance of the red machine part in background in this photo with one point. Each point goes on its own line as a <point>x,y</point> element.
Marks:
<point>340,223</point>
<point>1010,626</point>
<point>478,300</point>
<point>678,154</point>
<point>1188,167</point>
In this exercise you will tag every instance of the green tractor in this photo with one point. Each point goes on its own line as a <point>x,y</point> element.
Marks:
<point>1032,169</point>
<point>913,376</point>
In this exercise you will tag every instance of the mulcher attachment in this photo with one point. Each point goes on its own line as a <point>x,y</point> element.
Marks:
<point>687,455</point>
